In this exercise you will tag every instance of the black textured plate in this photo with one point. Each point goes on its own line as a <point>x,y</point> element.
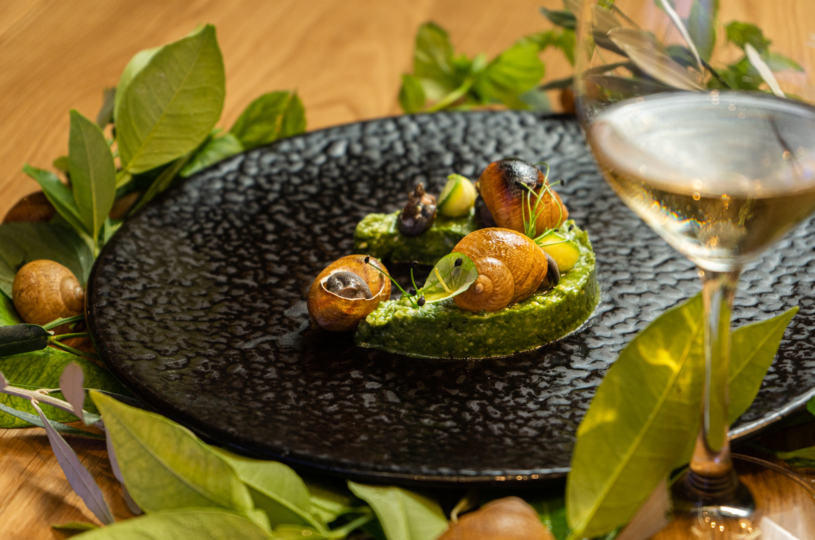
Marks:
<point>197,303</point>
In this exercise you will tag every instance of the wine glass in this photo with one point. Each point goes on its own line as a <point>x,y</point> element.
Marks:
<point>702,125</point>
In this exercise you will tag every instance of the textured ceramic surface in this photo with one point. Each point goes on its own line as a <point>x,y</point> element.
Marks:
<point>198,306</point>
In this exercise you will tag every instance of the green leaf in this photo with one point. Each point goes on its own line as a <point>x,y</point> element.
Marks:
<point>213,151</point>
<point>270,117</point>
<point>329,502</point>
<point>411,94</point>
<point>42,369</point>
<point>433,56</point>
<point>62,163</point>
<point>742,76</point>
<point>35,420</point>
<point>105,114</point>
<point>779,62</point>
<point>8,313</point>
<point>75,527</point>
<point>60,195</point>
<point>741,34</point>
<point>165,466</point>
<point>403,514</point>
<point>136,64</point>
<point>93,173</point>
<point>163,181</point>
<point>182,524</point>
<point>639,423</point>
<point>753,349</point>
<point>275,488</point>
<point>512,73</point>
<point>552,512</point>
<point>22,338</point>
<point>172,103</point>
<point>563,18</point>
<point>25,242</point>
<point>701,26</point>
<point>298,531</point>
<point>447,280</point>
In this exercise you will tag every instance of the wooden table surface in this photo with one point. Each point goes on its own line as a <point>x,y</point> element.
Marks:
<point>344,57</point>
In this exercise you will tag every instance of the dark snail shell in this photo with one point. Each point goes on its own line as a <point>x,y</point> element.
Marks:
<point>418,214</point>
<point>346,292</point>
<point>501,185</point>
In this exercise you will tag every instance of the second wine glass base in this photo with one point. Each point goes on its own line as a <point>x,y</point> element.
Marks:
<point>725,497</point>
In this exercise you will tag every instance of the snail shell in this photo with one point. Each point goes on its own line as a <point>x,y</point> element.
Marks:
<point>510,518</point>
<point>340,313</point>
<point>510,268</point>
<point>44,291</point>
<point>501,187</point>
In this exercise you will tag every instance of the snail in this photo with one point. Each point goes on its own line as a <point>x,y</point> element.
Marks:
<point>510,268</point>
<point>418,214</point>
<point>346,291</point>
<point>34,207</point>
<point>509,518</point>
<point>501,185</point>
<point>44,291</point>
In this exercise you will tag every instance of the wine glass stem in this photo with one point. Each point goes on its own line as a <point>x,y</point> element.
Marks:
<point>711,469</point>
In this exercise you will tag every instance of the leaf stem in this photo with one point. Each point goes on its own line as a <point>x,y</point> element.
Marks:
<point>351,526</point>
<point>60,322</point>
<point>71,336</point>
<point>71,350</point>
<point>404,293</point>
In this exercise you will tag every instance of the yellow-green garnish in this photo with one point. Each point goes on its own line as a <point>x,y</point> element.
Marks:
<point>457,198</point>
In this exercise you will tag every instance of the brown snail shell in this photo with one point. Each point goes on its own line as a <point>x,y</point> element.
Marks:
<point>510,268</point>
<point>501,187</point>
<point>337,313</point>
<point>44,291</point>
<point>510,518</point>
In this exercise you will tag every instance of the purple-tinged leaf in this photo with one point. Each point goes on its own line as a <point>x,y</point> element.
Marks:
<point>70,384</point>
<point>78,476</point>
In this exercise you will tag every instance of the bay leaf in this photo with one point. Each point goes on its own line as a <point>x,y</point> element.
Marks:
<point>93,173</point>
<point>275,488</point>
<point>213,151</point>
<point>58,194</point>
<point>182,524</point>
<point>638,424</point>
<point>165,466</point>
<point>171,103</point>
<point>403,514</point>
<point>42,369</point>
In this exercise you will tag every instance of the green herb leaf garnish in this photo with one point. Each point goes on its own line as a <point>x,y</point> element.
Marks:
<point>451,276</point>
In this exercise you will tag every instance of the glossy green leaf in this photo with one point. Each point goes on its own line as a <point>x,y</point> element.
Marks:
<point>35,420</point>
<point>275,488</point>
<point>93,173</point>
<point>433,56</point>
<point>60,195</point>
<point>268,118</point>
<point>8,314</point>
<point>753,349</point>
<point>136,64</point>
<point>403,514</point>
<point>62,163</point>
<point>213,151</point>
<point>165,466</point>
<point>741,33</point>
<point>172,103</point>
<point>640,421</point>
<point>22,338</point>
<point>182,524</point>
<point>411,94</point>
<point>42,369</point>
<point>701,26</point>
<point>512,73</point>
<point>447,280</point>
<point>329,502</point>
<point>563,18</point>
<point>105,114</point>
<point>163,181</point>
<point>26,242</point>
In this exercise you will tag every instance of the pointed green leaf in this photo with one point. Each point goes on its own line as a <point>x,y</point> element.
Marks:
<point>433,56</point>
<point>60,195</point>
<point>404,515</point>
<point>640,420</point>
<point>270,117</point>
<point>163,181</point>
<point>182,524</point>
<point>275,488</point>
<point>8,314</point>
<point>329,502</point>
<point>779,62</point>
<point>74,527</point>
<point>411,94</point>
<point>35,420</point>
<point>172,103</point>
<point>105,114</point>
<point>701,26</point>
<point>563,18</point>
<point>294,119</point>
<point>165,466</point>
<point>26,242</point>
<point>42,369</point>
<point>93,173</point>
<point>212,152</point>
<point>136,64</point>
<point>447,280</point>
<point>741,33</point>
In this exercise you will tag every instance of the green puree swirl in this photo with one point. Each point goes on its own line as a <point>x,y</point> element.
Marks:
<point>442,330</point>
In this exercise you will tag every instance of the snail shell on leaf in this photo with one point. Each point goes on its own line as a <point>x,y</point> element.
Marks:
<point>501,185</point>
<point>510,268</point>
<point>44,291</point>
<point>346,291</point>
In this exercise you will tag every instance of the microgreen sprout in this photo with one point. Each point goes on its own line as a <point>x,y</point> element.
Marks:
<point>531,213</point>
<point>405,294</point>
<point>413,266</point>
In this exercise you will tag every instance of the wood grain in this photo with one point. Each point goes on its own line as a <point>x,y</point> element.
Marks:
<point>345,59</point>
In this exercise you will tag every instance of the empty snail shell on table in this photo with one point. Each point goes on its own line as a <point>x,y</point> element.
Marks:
<point>346,291</point>
<point>501,185</point>
<point>510,268</point>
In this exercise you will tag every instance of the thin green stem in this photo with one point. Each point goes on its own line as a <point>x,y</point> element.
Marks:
<point>351,526</point>
<point>71,350</point>
<point>453,96</point>
<point>71,336</point>
<point>60,322</point>
<point>404,293</point>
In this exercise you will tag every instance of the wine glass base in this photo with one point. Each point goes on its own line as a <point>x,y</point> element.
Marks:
<point>783,508</point>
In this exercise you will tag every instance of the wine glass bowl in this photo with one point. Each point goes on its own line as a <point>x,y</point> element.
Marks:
<point>700,124</point>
